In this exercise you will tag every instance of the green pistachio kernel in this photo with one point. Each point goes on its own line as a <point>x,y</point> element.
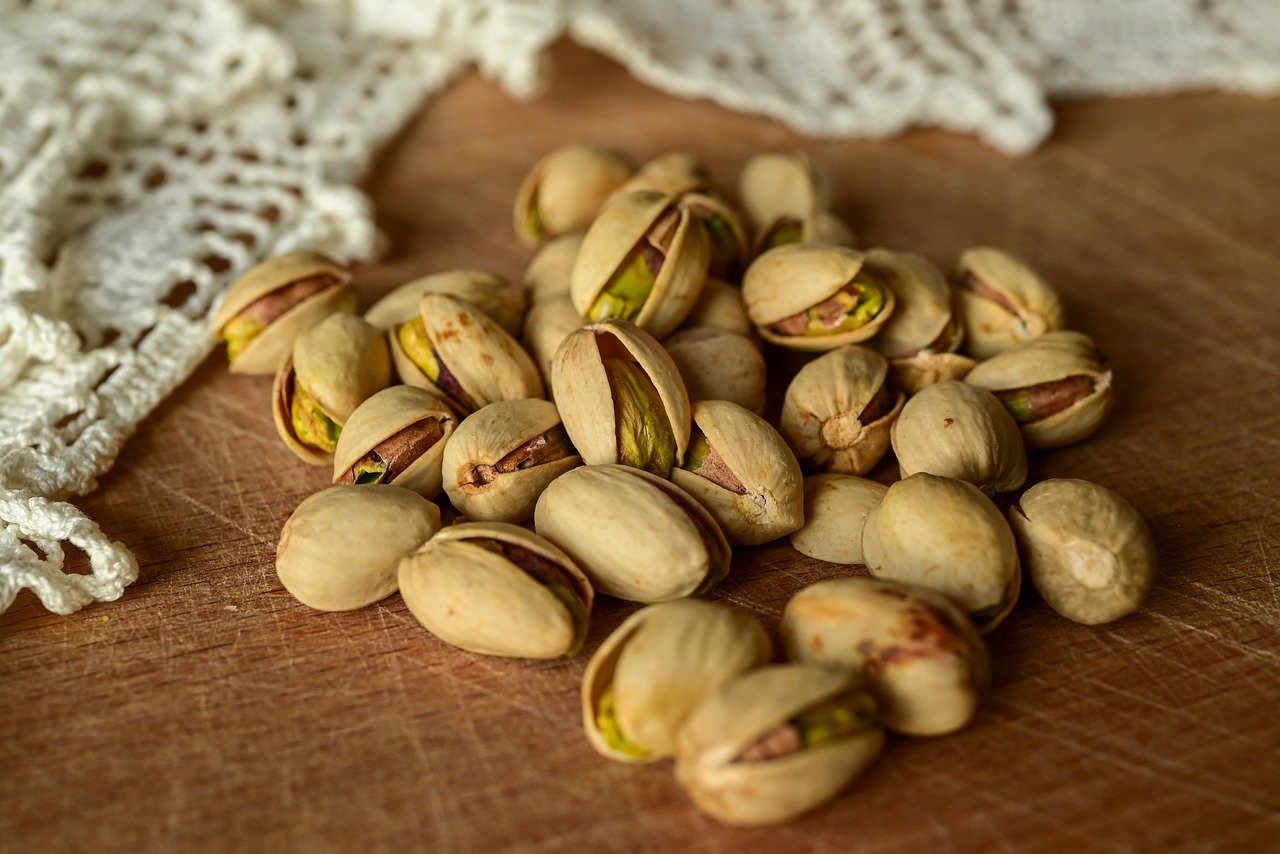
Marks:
<point>310,424</point>
<point>371,470</point>
<point>627,291</point>
<point>645,438</point>
<point>1019,405</point>
<point>413,340</point>
<point>607,721</point>
<point>533,221</point>
<point>239,332</point>
<point>785,231</point>
<point>835,720</point>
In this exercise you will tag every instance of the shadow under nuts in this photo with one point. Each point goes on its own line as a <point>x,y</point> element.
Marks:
<point>397,436</point>
<point>835,510</point>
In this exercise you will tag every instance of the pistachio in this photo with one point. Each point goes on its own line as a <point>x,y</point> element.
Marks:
<point>497,589</point>
<point>720,306</point>
<point>495,296</point>
<point>275,301</point>
<point>545,328</point>
<point>643,260</point>
<point>958,430</point>
<point>815,297</point>
<point>777,742</point>
<point>838,411</point>
<point>835,509</point>
<point>565,190</point>
<point>397,436</point>
<point>1005,301</point>
<point>726,235</point>
<point>656,667</point>
<point>621,397</point>
<point>457,352</point>
<point>339,549</point>
<point>635,535</point>
<point>719,365</point>
<point>944,534</point>
<point>778,186</point>
<point>336,365</point>
<point>502,457</point>
<point>919,653</point>
<point>547,276</point>
<point>1087,550</point>
<point>671,174</point>
<point>818,226</point>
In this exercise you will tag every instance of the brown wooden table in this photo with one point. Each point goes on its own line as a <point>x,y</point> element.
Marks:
<point>207,708</point>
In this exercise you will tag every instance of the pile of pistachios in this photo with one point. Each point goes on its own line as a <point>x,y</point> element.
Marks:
<point>618,447</point>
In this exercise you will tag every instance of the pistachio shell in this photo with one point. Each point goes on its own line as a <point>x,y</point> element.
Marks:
<point>922,317</point>
<point>727,238</point>
<point>919,653</point>
<point>547,276</point>
<point>672,174</point>
<point>339,549</point>
<point>341,362</point>
<point>606,517</point>
<point>779,185</point>
<point>835,510</point>
<point>495,296</point>
<point>819,226</point>
<point>764,791</point>
<point>565,190</point>
<point>282,392</point>
<point>720,306</point>
<point>545,327</point>
<point>1025,305</point>
<point>488,601</point>
<point>477,482</point>
<point>915,373</point>
<point>716,364</point>
<point>945,534</point>
<point>657,667</point>
<point>961,431</point>
<point>384,415</point>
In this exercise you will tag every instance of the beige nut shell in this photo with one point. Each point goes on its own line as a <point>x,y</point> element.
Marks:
<point>672,174</point>
<point>990,327</point>
<point>779,185</point>
<point>495,296</point>
<point>924,306</point>
<point>569,186</point>
<point>382,416</point>
<point>545,327</point>
<point>720,306</point>
<point>835,509</point>
<point>716,364</point>
<point>547,276</point>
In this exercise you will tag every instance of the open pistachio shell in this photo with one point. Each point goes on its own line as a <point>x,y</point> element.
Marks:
<point>819,226</point>
<point>493,295</point>
<point>1005,301</point>
<point>720,306</point>
<point>340,548</point>
<point>502,457</point>
<point>280,298</point>
<point>743,473</point>
<point>565,190</point>
<point>643,260</point>
<point>719,365</point>
<point>780,185</point>
<point>636,536</point>
<point>672,174</point>
<point>657,667</point>
<point>839,410</point>
<point>958,430</point>
<point>727,236</point>
<point>497,589</point>
<point>919,653</point>
<point>835,510</point>
<point>547,276</point>
<point>397,436</point>
<point>777,742</point>
<point>944,534</point>
<point>545,327</point>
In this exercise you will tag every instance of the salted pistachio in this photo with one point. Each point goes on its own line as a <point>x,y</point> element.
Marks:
<point>719,365</point>
<point>565,190</point>
<point>839,410</point>
<point>720,306</point>
<point>336,365</point>
<point>944,534</point>
<point>672,174</point>
<point>397,436</point>
<point>457,352</point>
<point>815,297</point>
<point>777,186</point>
<point>545,327</point>
<point>547,276</point>
<point>340,548</point>
<point>835,509</point>
<point>1087,550</point>
<point>918,652</point>
<point>498,589</point>
<point>643,260</point>
<point>777,742</point>
<point>495,296</point>
<point>817,226</point>
<point>657,667</point>
<point>1004,301</point>
<point>503,456</point>
<point>1056,386</point>
<point>727,236</point>
<point>621,397</point>
<point>275,301</point>
<point>636,536</point>
<point>958,430</point>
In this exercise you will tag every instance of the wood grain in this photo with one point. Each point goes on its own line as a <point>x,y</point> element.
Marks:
<point>207,709</point>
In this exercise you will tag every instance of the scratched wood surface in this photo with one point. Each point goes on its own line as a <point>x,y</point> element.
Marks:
<point>208,709</point>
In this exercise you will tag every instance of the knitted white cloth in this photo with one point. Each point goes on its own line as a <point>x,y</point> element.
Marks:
<point>151,150</point>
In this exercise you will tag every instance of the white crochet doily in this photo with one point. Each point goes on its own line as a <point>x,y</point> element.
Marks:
<point>151,150</point>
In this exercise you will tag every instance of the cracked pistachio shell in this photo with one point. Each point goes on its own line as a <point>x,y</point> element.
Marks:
<point>823,412</point>
<point>743,473</point>
<point>672,174</point>
<point>487,363</point>
<point>727,237</point>
<point>1071,360</point>
<point>919,653</point>
<point>719,365</point>
<point>497,589</point>
<point>657,667</point>
<point>957,430</point>
<point>545,327</point>
<point>383,416</point>
<point>767,791</point>
<point>609,247</point>
<point>1087,549</point>
<point>500,460</point>
<point>720,306</point>
<point>778,185</point>
<point>835,509</point>
<point>819,226</point>
<point>495,296</point>
<point>585,395</point>
<point>547,276</point>
<point>339,549</point>
<point>636,536</point>
<point>265,351</point>
<point>1004,301</point>
<point>565,190</point>
<point>944,534</point>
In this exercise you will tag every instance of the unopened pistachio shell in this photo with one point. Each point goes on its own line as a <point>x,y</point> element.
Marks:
<point>547,276</point>
<point>546,326</point>
<point>835,509</point>
<point>779,185</point>
<point>720,306</point>
<point>564,191</point>
<point>397,436</point>
<point>501,300</point>
<point>1005,301</point>
<point>716,364</point>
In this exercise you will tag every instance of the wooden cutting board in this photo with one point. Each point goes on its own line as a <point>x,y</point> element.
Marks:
<point>209,709</point>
